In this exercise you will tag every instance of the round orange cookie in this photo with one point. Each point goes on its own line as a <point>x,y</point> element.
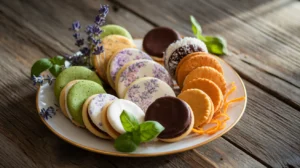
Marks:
<point>200,103</point>
<point>109,129</point>
<point>209,87</point>
<point>207,73</point>
<point>185,58</point>
<point>88,123</point>
<point>196,61</point>
<point>111,44</point>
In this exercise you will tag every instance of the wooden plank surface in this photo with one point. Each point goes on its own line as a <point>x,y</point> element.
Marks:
<point>40,39</point>
<point>35,29</point>
<point>252,48</point>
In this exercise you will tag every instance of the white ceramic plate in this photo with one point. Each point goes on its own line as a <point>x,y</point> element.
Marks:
<point>80,137</point>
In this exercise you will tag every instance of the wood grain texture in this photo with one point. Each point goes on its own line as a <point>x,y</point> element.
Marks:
<point>268,136</point>
<point>22,43</point>
<point>252,47</point>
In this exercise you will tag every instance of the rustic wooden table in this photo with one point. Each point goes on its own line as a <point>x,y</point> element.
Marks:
<point>264,44</point>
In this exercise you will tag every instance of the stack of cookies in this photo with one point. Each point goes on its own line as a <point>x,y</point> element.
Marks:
<point>200,77</point>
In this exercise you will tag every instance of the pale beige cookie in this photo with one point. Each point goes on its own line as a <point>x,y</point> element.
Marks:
<point>88,122</point>
<point>207,73</point>
<point>109,129</point>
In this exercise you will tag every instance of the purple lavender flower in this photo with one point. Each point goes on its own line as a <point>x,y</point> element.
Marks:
<point>104,9</point>
<point>99,20</point>
<point>46,113</point>
<point>98,49</point>
<point>76,26</point>
<point>85,51</point>
<point>97,30</point>
<point>79,42</point>
<point>40,79</point>
<point>89,29</point>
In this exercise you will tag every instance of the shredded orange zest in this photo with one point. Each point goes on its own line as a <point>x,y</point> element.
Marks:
<point>220,119</point>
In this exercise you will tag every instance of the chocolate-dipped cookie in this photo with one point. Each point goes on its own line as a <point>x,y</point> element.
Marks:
<point>158,39</point>
<point>179,49</point>
<point>174,114</point>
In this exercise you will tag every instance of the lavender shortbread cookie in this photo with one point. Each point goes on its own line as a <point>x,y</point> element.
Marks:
<point>95,108</point>
<point>120,59</point>
<point>179,49</point>
<point>145,91</point>
<point>139,69</point>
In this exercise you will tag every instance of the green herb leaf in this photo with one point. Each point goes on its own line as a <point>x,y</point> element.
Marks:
<point>196,28</point>
<point>124,143</point>
<point>39,66</point>
<point>129,122</point>
<point>59,60</point>
<point>136,137</point>
<point>55,70</point>
<point>150,130</point>
<point>216,45</point>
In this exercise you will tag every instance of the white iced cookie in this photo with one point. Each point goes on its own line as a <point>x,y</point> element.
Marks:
<point>116,108</point>
<point>139,69</point>
<point>120,59</point>
<point>95,107</point>
<point>145,91</point>
<point>179,49</point>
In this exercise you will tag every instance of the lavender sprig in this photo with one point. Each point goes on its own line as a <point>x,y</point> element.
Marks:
<point>41,79</point>
<point>47,113</point>
<point>93,32</point>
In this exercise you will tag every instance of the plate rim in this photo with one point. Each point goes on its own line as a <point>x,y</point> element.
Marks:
<point>150,154</point>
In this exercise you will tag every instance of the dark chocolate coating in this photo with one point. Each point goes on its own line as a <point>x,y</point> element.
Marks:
<point>158,39</point>
<point>172,113</point>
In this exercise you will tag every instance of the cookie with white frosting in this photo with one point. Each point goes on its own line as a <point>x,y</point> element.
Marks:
<point>120,59</point>
<point>145,91</point>
<point>139,69</point>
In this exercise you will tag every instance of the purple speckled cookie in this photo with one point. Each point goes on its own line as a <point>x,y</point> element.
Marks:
<point>120,59</point>
<point>146,90</point>
<point>95,108</point>
<point>139,69</point>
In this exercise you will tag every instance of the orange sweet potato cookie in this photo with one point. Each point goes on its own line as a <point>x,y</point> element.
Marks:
<point>207,73</point>
<point>219,119</point>
<point>111,45</point>
<point>196,61</point>
<point>210,88</point>
<point>185,58</point>
<point>200,103</point>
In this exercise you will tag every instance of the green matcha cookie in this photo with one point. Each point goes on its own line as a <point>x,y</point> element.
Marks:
<point>114,30</point>
<point>77,95</point>
<point>73,73</point>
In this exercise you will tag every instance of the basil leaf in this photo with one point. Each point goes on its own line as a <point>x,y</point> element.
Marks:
<point>124,143</point>
<point>196,28</point>
<point>150,130</point>
<point>39,66</point>
<point>55,70</point>
<point>216,45</point>
<point>129,122</point>
<point>59,60</point>
<point>136,137</point>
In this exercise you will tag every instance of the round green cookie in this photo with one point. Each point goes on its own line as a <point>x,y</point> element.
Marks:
<point>73,73</point>
<point>114,29</point>
<point>77,95</point>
